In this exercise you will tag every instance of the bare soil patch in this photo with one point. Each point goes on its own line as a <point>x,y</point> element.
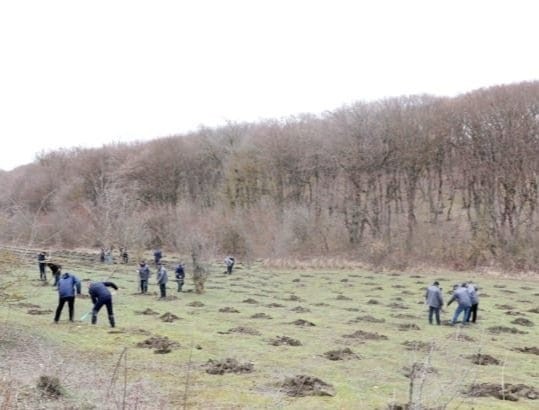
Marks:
<point>510,392</point>
<point>229,309</point>
<point>147,311</point>
<point>483,359</point>
<point>302,385</point>
<point>522,321</point>
<point>300,309</point>
<point>196,303</point>
<point>275,305</point>
<point>284,340</point>
<point>39,311</point>
<point>366,318</point>
<point>341,354</point>
<point>532,350</point>
<point>261,315</point>
<point>372,302</point>
<point>250,300</point>
<point>161,344</point>
<point>360,334</point>
<point>169,317</point>
<point>242,330</point>
<point>505,329</point>
<point>302,322</point>
<point>342,297</point>
<point>221,367</point>
<point>408,326</point>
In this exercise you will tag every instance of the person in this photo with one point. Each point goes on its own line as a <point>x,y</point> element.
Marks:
<point>162,279</point>
<point>157,255</point>
<point>56,271</point>
<point>461,295</point>
<point>434,300</point>
<point>229,262</point>
<point>67,285</point>
<point>474,297</point>
<point>41,261</point>
<point>125,256</point>
<point>102,255</point>
<point>144,275</point>
<point>101,296</point>
<point>108,256</point>
<point>180,275</point>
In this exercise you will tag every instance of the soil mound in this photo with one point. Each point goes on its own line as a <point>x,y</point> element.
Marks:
<point>483,359</point>
<point>532,350</point>
<point>510,392</point>
<point>294,298</point>
<point>505,329</point>
<point>302,322</point>
<point>534,310</point>
<point>284,340</point>
<point>342,297</point>
<point>39,311</point>
<point>372,302</point>
<point>274,305</point>
<point>302,385</point>
<point>169,317</point>
<point>161,344</point>
<point>250,300</point>
<point>243,330</point>
<point>229,310</point>
<point>523,322</point>
<point>227,366</point>
<point>261,315</point>
<point>196,303</point>
<point>300,309</point>
<point>408,326</point>
<point>147,311</point>
<point>341,354</point>
<point>360,334</point>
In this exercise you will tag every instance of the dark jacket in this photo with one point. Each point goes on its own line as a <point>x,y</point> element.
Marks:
<point>180,272</point>
<point>474,297</point>
<point>144,272</point>
<point>99,291</point>
<point>434,297</point>
<point>55,269</point>
<point>67,285</point>
<point>462,296</point>
<point>41,257</point>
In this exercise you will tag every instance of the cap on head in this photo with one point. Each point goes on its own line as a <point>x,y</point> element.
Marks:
<point>436,283</point>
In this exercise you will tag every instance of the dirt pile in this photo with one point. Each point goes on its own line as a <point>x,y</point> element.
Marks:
<point>227,366</point>
<point>303,322</point>
<point>522,321</point>
<point>169,317</point>
<point>147,311</point>
<point>261,316</point>
<point>360,334</point>
<point>161,344</point>
<point>228,309</point>
<point>284,340</point>
<point>483,359</point>
<point>242,330</point>
<point>341,354</point>
<point>250,300</point>
<point>532,350</point>
<point>504,329</point>
<point>302,385</point>
<point>510,392</point>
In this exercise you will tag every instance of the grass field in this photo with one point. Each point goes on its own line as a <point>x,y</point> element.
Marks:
<point>270,327</point>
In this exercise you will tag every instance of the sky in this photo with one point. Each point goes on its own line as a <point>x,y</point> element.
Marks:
<point>88,73</point>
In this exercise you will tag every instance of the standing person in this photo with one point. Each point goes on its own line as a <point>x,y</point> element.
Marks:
<point>41,261</point>
<point>180,276</point>
<point>474,297</point>
<point>102,255</point>
<point>56,271</point>
<point>67,285</point>
<point>101,296</point>
<point>435,301</point>
<point>157,255</point>
<point>144,275</point>
<point>229,262</point>
<point>162,279</point>
<point>125,256</point>
<point>461,295</point>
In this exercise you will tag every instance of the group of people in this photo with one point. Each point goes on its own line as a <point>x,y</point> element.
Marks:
<point>465,294</point>
<point>105,256</point>
<point>69,285</point>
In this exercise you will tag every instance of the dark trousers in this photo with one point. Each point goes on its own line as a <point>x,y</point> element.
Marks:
<point>143,286</point>
<point>70,303</point>
<point>98,305</point>
<point>473,313</point>
<point>56,279</point>
<point>180,284</point>
<point>42,274</point>
<point>163,289</point>
<point>229,269</point>
<point>436,312</point>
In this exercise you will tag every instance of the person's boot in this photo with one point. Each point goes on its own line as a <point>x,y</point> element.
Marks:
<point>111,321</point>
<point>94,319</point>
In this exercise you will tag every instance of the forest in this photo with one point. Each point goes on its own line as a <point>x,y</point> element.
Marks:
<point>404,181</point>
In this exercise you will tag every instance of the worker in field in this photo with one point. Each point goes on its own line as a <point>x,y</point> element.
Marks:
<point>180,275</point>
<point>144,276</point>
<point>474,298</point>
<point>56,270</point>
<point>67,286</point>
<point>229,262</point>
<point>162,279</point>
<point>101,296</point>
<point>435,301</point>
<point>461,295</point>
<point>42,263</point>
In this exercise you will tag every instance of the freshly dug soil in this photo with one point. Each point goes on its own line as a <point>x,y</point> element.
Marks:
<point>483,359</point>
<point>302,385</point>
<point>510,392</point>
<point>360,334</point>
<point>227,366</point>
<point>284,340</point>
<point>228,309</point>
<point>161,344</point>
<point>302,322</point>
<point>169,317</point>
<point>250,300</point>
<point>523,322</point>
<point>341,354</point>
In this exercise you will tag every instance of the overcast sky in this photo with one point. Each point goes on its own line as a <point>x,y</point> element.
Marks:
<point>88,73</point>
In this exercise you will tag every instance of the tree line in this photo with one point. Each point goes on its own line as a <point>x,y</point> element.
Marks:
<point>414,179</point>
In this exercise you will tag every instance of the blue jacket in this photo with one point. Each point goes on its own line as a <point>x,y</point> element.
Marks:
<point>462,296</point>
<point>144,272</point>
<point>67,285</point>
<point>434,297</point>
<point>99,291</point>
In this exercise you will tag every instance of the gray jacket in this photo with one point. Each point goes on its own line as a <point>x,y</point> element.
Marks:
<point>162,277</point>
<point>433,296</point>
<point>462,296</point>
<point>144,272</point>
<point>472,291</point>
